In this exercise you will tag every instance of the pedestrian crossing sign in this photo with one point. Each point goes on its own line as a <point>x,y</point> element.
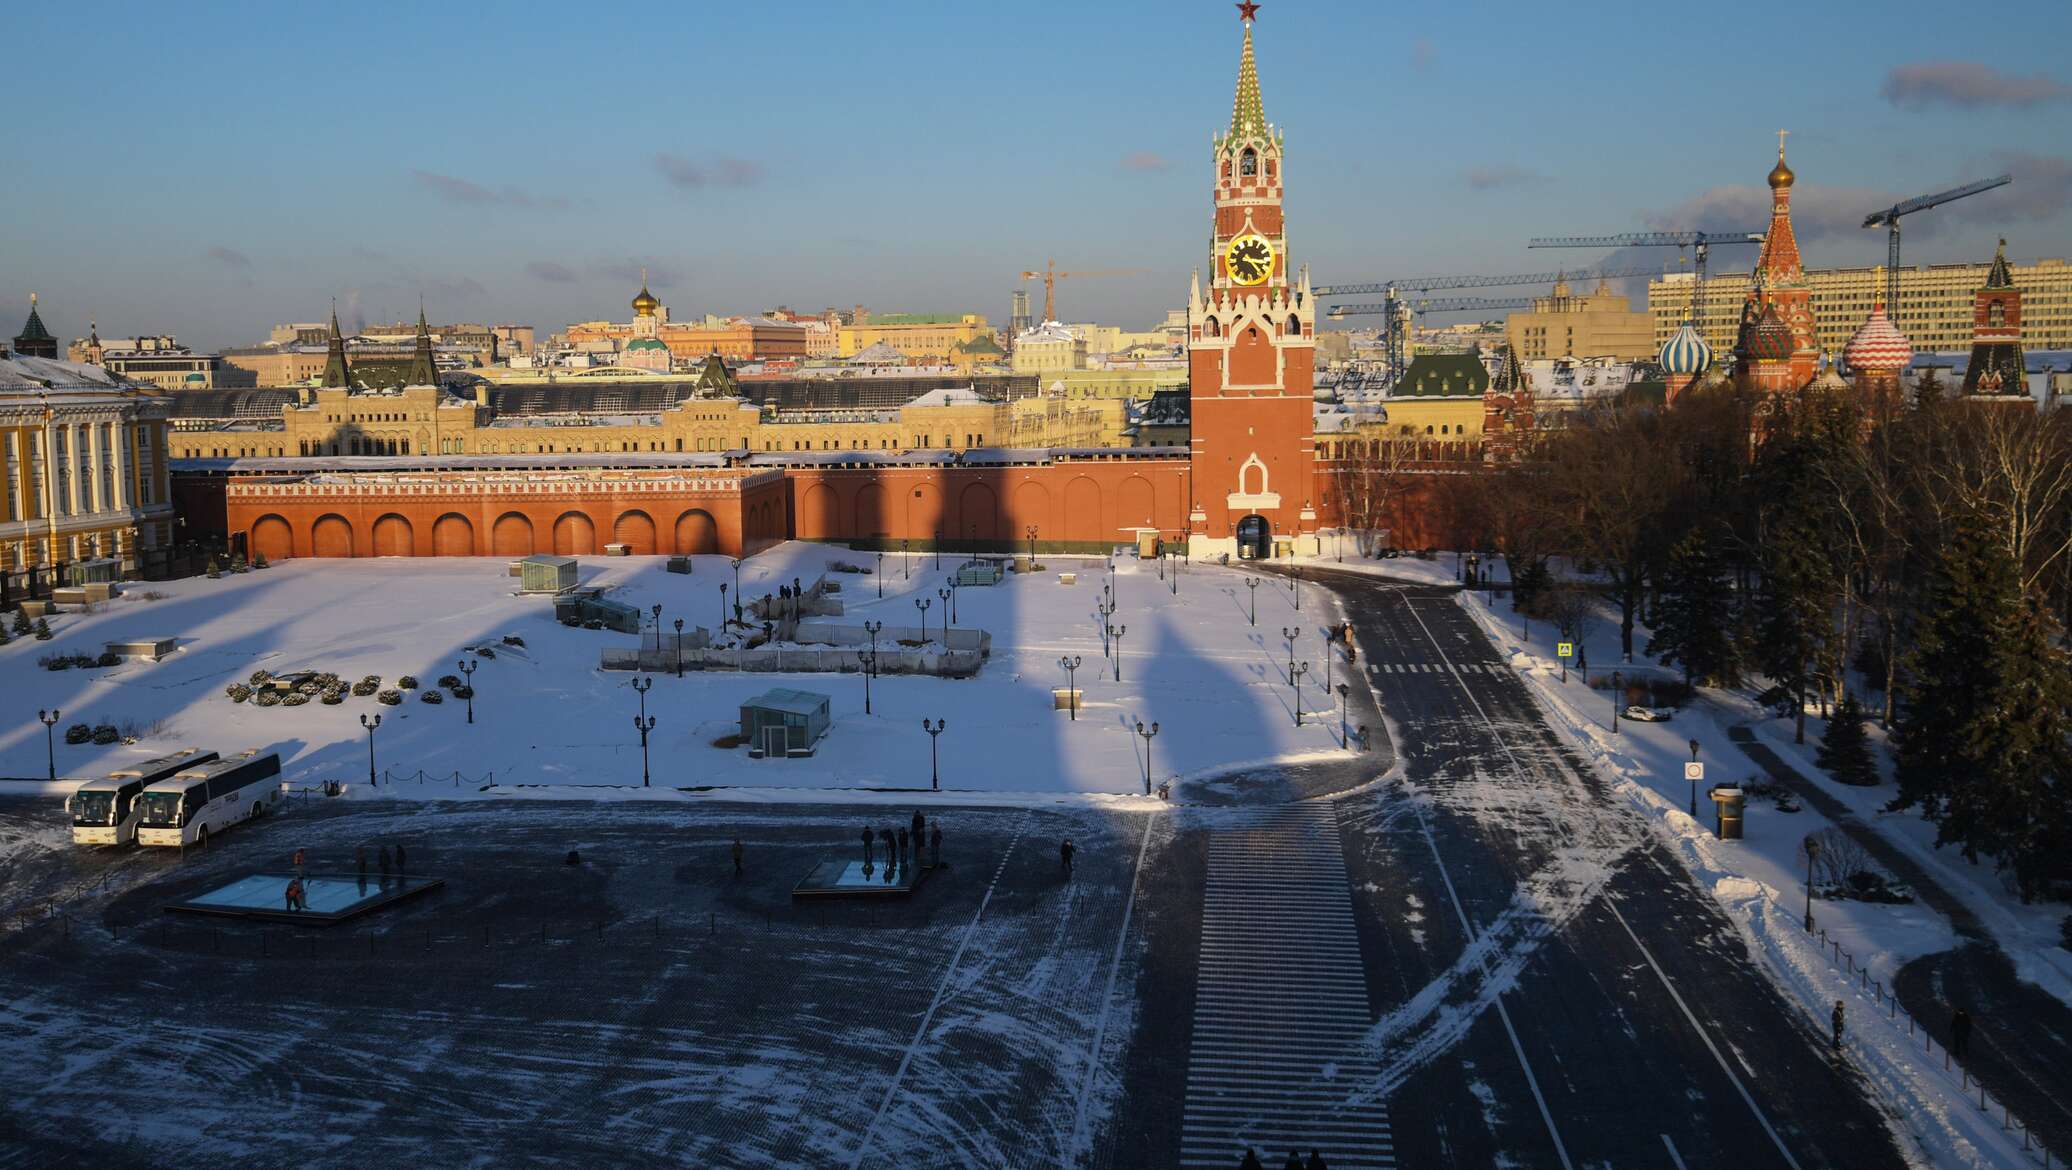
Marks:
<point>1565,649</point>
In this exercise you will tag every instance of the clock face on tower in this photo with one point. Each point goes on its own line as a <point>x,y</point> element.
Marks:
<point>1249,259</point>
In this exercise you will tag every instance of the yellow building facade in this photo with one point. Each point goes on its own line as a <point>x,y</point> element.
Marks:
<point>1597,324</point>
<point>1935,305</point>
<point>83,468</point>
<point>918,336</point>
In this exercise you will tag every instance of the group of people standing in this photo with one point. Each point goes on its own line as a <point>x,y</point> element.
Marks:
<point>903,847</point>
<point>1294,1162</point>
<point>392,865</point>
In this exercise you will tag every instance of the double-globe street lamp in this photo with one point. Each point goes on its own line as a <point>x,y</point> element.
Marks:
<point>1071,664</point>
<point>1295,682</point>
<point>1116,632</point>
<point>467,674</point>
<point>50,749</point>
<point>1252,584</point>
<point>922,604</point>
<point>370,725</point>
<point>934,731</point>
<point>643,723</point>
<point>1149,734</point>
<point>1290,633</point>
<point>679,647</point>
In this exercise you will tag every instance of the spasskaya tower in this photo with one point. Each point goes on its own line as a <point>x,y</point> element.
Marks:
<point>1251,351</point>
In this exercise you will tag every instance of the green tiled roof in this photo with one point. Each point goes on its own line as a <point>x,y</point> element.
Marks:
<point>1443,375</point>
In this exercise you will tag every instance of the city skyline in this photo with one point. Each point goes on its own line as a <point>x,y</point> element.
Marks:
<point>1419,146</point>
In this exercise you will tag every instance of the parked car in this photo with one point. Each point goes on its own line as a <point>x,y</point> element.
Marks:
<point>1640,714</point>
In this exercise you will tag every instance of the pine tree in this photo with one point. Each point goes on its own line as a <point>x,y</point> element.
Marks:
<point>1694,626</point>
<point>1845,751</point>
<point>1797,603</point>
<point>21,621</point>
<point>43,629</point>
<point>1983,747</point>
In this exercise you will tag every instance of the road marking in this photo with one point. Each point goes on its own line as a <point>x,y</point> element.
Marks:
<point>1280,1000</point>
<point>1673,1155</point>
<point>1078,1144</point>
<point>942,988</point>
<point>1688,1015</point>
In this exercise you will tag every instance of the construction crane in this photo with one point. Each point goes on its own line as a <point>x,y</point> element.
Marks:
<point>1397,310</point>
<point>1051,276</point>
<point>1889,219</point>
<point>1700,243</point>
<point>1429,283</point>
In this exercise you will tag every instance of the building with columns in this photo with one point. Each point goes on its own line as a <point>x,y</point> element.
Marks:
<point>1251,350</point>
<point>83,466</point>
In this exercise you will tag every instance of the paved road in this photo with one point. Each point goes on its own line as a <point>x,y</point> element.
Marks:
<point>1555,990</point>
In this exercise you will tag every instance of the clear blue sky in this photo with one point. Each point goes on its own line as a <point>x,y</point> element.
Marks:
<point>208,170</point>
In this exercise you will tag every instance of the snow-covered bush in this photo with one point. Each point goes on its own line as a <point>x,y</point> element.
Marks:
<point>390,698</point>
<point>78,733</point>
<point>365,687</point>
<point>449,681</point>
<point>484,652</point>
<point>309,687</point>
<point>514,640</point>
<point>332,698</point>
<point>433,697</point>
<point>408,682</point>
<point>238,692</point>
<point>329,681</point>
<point>108,658</point>
<point>267,699</point>
<point>260,676</point>
<point>105,734</point>
<point>372,680</point>
<point>294,699</point>
<point>463,691</point>
<point>55,662</point>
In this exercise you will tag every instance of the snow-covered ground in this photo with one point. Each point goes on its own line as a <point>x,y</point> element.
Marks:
<point>546,714</point>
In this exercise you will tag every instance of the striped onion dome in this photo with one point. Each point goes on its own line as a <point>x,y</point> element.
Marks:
<point>1878,346</point>
<point>1685,352</point>
<point>1771,339</point>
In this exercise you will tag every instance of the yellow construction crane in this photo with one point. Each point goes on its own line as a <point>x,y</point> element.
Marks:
<point>1051,276</point>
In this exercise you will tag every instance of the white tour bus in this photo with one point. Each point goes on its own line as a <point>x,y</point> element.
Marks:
<point>105,812</point>
<point>186,808</point>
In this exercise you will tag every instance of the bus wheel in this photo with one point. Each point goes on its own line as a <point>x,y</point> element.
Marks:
<point>201,837</point>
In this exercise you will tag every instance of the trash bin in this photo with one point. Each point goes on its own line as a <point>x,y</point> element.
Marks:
<point>1728,801</point>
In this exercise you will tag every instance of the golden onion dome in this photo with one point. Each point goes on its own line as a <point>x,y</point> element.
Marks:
<point>1780,175</point>
<point>645,304</point>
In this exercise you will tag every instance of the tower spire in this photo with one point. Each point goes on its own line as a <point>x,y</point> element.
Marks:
<point>1248,113</point>
<point>337,375</point>
<point>422,370</point>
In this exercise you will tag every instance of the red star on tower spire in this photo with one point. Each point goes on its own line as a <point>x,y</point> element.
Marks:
<point>1246,10</point>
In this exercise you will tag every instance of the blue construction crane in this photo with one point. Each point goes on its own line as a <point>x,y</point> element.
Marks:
<point>1429,283</point>
<point>1398,310</point>
<point>1889,219</point>
<point>1700,243</point>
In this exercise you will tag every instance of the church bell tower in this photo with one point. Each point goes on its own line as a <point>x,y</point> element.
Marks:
<point>1251,351</point>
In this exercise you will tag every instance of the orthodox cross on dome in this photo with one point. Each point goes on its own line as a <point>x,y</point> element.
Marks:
<point>1781,136</point>
<point>1247,11</point>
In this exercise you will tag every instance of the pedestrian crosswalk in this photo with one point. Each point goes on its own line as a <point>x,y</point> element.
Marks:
<point>1281,1002</point>
<point>1437,668</point>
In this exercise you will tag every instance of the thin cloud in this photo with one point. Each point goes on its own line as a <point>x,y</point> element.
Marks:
<point>2041,189</point>
<point>551,272</point>
<point>628,272</point>
<point>1967,85</point>
<point>229,257</point>
<point>1422,55</point>
<point>720,170</point>
<point>1146,160</point>
<point>467,192</point>
<point>1498,177</point>
<point>1815,211</point>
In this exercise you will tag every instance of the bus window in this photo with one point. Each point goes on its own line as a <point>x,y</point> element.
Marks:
<point>93,808</point>
<point>163,808</point>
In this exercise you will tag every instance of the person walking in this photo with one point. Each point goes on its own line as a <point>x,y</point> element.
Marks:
<point>295,899</point>
<point>920,827</point>
<point>1960,1034</point>
<point>905,841</point>
<point>360,860</point>
<point>868,837</point>
<point>737,858</point>
<point>1838,1025</point>
<point>384,865</point>
<point>891,844</point>
<point>935,845</point>
<point>301,861</point>
<point>1065,856</point>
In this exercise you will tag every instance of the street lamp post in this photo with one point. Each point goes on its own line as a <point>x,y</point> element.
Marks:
<point>867,661</point>
<point>1295,682</point>
<point>1032,545</point>
<point>1149,734</point>
<point>656,613</point>
<point>736,562</point>
<point>1291,633</point>
<point>934,731</point>
<point>679,647</point>
<point>1618,696</point>
<point>1252,584</point>
<point>953,600</point>
<point>370,725</point>
<point>1295,579</point>
<point>946,596</point>
<point>1812,851</point>
<point>880,574</point>
<point>467,673</point>
<point>938,548</point>
<point>1116,632</point>
<point>722,607</point>
<point>645,723</point>
<point>1345,737</point>
<point>1694,781</point>
<point>1071,664</point>
<point>1173,578</point>
<point>50,749</point>
<point>906,567</point>
<point>922,604</point>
